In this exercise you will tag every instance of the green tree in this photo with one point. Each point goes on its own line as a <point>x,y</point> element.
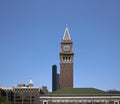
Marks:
<point>3,99</point>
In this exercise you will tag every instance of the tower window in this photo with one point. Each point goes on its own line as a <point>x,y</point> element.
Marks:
<point>69,57</point>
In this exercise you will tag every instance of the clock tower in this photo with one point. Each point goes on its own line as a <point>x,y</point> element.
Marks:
<point>66,61</point>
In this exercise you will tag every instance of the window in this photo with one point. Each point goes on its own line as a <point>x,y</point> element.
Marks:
<point>45,102</point>
<point>116,102</point>
<point>63,58</point>
<point>69,57</point>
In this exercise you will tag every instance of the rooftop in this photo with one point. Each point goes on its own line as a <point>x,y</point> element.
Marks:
<point>80,91</point>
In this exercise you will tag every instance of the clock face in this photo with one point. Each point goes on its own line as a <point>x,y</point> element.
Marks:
<point>66,47</point>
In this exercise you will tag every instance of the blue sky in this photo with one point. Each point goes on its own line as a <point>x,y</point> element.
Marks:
<point>31,32</point>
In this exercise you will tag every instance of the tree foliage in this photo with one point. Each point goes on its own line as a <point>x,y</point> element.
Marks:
<point>3,99</point>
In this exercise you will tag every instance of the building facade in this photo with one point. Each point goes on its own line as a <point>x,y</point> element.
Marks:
<point>66,61</point>
<point>58,81</point>
<point>80,99</point>
<point>54,77</point>
<point>80,96</point>
<point>26,95</point>
<point>22,94</point>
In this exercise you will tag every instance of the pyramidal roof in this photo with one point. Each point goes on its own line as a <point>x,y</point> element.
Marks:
<point>66,34</point>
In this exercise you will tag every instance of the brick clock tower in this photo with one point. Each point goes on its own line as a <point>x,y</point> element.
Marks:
<point>66,61</point>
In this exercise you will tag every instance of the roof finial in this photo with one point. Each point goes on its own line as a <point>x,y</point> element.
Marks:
<point>66,25</point>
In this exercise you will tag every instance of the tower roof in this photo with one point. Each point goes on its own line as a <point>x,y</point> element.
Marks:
<point>66,34</point>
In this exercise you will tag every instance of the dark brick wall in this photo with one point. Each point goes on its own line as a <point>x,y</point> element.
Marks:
<point>66,75</point>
